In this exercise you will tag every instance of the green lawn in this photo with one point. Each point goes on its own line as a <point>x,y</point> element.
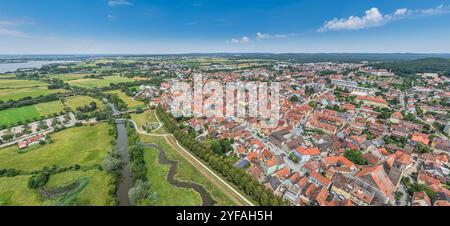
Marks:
<point>75,102</point>
<point>13,115</point>
<point>87,146</point>
<point>94,83</point>
<point>187,172</point>
<point>132,104</point>
<point>168,195</point>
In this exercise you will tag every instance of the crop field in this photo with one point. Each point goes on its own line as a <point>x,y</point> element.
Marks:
<point>98,83</point>
<point>168,195</point>
<point>132,104</point>
<point>87,146</point>
<point>75,102</point>
<point>14,115</point>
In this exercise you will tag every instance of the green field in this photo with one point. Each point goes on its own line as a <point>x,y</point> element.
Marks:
<point>19,93</point>
<point>14,115</point>
<point>98,83</point>
<point>168,195</point>
<point>87,146</point>
<point>15,192</point>
<point>145,118</point>
<point>187,172</point>
<point>7,76</point>
<point>132,104</point>
<point>13,83</point>
<point>75,102</point>
<point>69,77</point>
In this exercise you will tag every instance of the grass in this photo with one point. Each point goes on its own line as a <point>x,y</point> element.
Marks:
<point>75,102</point>
<point>145,118</point>
<point>15,192</point>
<point>132,104</point>
<point>168,195</point>
<point>187,172</point>
<point>87,146</point>
<point>7,76</point>
<point>98,83</point>
<point>19,93</point>
<point>14,115</point>
<point>68,77</point>
<point>13,83</point>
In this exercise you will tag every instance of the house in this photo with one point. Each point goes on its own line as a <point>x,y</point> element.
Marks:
<point>420,138</point>
<point>304,154</point>
<point>396,117</point>
<point>375,180</point>
<point>420,198</point>
<point>372,101</point>
<point>31,141</point>
<point>272,165</point>
<point>346,188</point>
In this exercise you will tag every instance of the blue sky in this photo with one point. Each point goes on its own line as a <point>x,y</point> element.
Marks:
<point>181,26</point>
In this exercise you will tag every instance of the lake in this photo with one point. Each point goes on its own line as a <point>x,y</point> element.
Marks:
<point>12,67</point>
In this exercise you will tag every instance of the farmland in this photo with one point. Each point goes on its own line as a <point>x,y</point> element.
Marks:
<point>98,83</point>
<point>14,115</point>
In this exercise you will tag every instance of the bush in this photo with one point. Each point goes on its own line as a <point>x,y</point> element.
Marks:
<point>38,181</point>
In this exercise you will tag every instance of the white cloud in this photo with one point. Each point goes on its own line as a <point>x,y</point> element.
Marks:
<point>111,17</point>
<point>260,35</point>
<point>401,12</point>
<point>119,3</point>
<point>243,40</point>
<point>374,18</point>
<point>12,33</point>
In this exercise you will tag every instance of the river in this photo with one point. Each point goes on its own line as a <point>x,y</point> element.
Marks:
<point>207,200</point>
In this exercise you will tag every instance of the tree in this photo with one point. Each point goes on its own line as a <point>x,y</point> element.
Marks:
<point>38,181</point>
<point>139,192</point>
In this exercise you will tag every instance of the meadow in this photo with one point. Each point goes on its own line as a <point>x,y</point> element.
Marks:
<point>15,192</point>
<point>168,195</point>
<point>132,104</point>
<point>14,115</point>
<point>75,102</point>
<point>86,146</point>
<point>187,172</point>
<point>146,118</point>
<point>11,89</point>
<point>69,76</point>
<point>98,83</point>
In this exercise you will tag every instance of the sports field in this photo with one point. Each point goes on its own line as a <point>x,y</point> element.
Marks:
<point>97,83</point>
<point>14,115</point>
